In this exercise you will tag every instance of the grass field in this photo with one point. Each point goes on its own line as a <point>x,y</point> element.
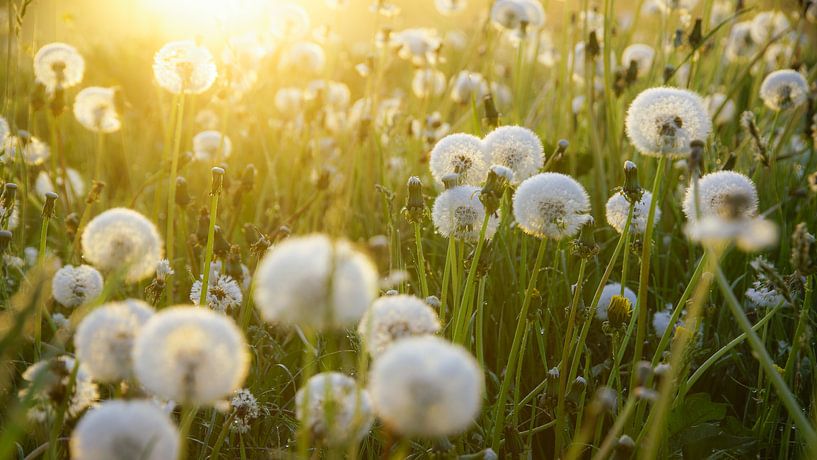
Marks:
<point>427,229</point>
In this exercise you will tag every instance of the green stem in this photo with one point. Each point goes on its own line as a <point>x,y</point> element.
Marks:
<point>618,426</point>
<point>208,253</point>
<point>188,415</point>
<point>171,195</point>
<point>464,312</point>
<point>38,313</point>
<point>421,260</point>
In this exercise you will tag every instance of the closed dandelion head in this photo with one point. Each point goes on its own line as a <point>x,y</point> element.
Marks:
<point>551,205</point>
<point>191,355</point>
<point>183,67</point>
<point>47,389</point>
<point>58,66</point>
<point>516,148</point>
<point>462,154</point>
<point>606,299</point>
<point>34,151</point>
<point>95,109</point>
<point>784,89</point>
<point>74,286</point>
<point>468,86</point>
<point>122,239</point>
<point>725,194</point>
<point>396,317</point>
<point>618,209</point>
<point>293,282</point>
<point>223,294</point>
<point>245,410</point>
<point>641,54</point>
<point>209,145</point>
<point>125,430</point>
<point>664,121</point>
<point>104,339</point>
<point>426,386</point>
<point>458,213</point>
<point>336,411</point>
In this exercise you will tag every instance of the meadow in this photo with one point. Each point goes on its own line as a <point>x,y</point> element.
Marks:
<point>471,229</point>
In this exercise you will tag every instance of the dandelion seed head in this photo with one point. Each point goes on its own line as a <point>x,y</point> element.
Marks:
<point>551,205</point>
<point>303,58</point>
<point>211,144</point>
<point>458,213</point>
<point>426,386</point>
<point>739,44</point>
<point>293,279</point>
<point>48,380</point>
<point>125,430</point>
<point>95,109</point>
<point>618,209</point>
<point>450,7</point>
<point>762,295</point>
<point>643,56</point>
<point>34,151</point>
<point>245,410</point>
<point>289,101</point>
<point>607,294</point>
<point>184,67</point>
<point>748,233</point>
<point>768,24</point>
<point>74,286</point>
<point>516,148</point>
<point>467,86</point>
<point>223,294</point>
<point>289,21</point>
<point>104,339</point>
<point>396,317</point>
<point>76,183</point>
<point>725,194</point>
<point>58,66</point>
<point>663,121</point>
<point>121,238</point>
<point>428,83</point>
<point>417,45</point>
<point>784,89</point>
<point>351,414</point>
<point>462,154</point>
<point>660,321</point>
<point>191,355</point>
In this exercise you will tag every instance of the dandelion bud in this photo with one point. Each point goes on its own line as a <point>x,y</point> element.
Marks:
<point>643,372</point>
<point>450,180</point>
<point>37,97</point>
<point>580,383</point>
<point>218,181</point>
<point>619,311</point>
<point>696,36</point>
<point>50,204</point>
<point>415,205</point>
<point>585,246</point>
<point>5,240</point>
<point>669,70</point>
<point>646,394</point>
<point>183,197</point>
<point>491,114</point>
<point>696,156</point>
<point>248,178</point>
<point>7,198</point>
<point>96,191</point>
<point>494,188</point>
<point>605,399</point>
<point>632,188</point>
<point>220,244</point>
<point>679,38</point>
<point>625,445</point>
<point>593,48</point>
<point>803,251</point>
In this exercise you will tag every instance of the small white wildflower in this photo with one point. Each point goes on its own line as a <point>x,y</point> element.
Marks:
<point>58,66</point>
<point>663,121</point>
<point>184,67</point>
<point>551,205</point>
<point>618,209</point>
<point>210,145</point>
<point>468,86</point>
<point>192,355</point>
<point>223,293</point>
<point>333,407</point>
<point>50,377</point>
<point>517,148</point>
<point>462,154</point>
<point>723,194</point>
<point>293,280</point>
<point>784,89</point>
<point>426,386</point>
<point>458,213</point>
<point>121,238</point>
<point>607,295</point>
<point>104,339</point>
<point>245,410</point>
<point>95,109</point>
<point>123,430</point>
<point>74,286</point>
<point>396,317</point>
<point>641,54</point>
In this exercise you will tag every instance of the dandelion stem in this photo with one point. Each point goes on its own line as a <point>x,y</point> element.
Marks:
<point>463,313</point>
<point>499,410</point>
<point>421,260</point>
<point>211,233</point>
<point>188,415</point>
<point>171,195</point>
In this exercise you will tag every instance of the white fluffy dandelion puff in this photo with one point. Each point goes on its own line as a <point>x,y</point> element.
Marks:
<point>95,109</point>
<point>468,86</point>
<point>104,339</point>
<point>462,154</point>
<point>223,293</point>
<point>425,386</point>
<point>245,410</point>
<point>784,89</point>
<point>607,295</point>
<point>315,281</point>
<point>459,213</point>
<point>47,385</point>
<point>395,317</point>
<point>124,430</point>
<point>191,355</point>
<point>336,411</point>
<point>722,194</point>
<point>34,151</point>
<point>618,208</point>
<point>123,239</point>
<point>516,148</point>
<point>184,67</point>
<point>663,121</point>
<point>209,145</point>
<point>551,205</point>
<point>428,83</point>
<point>641,54</point>
<point>58,66</point>
<point>74,286</point>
